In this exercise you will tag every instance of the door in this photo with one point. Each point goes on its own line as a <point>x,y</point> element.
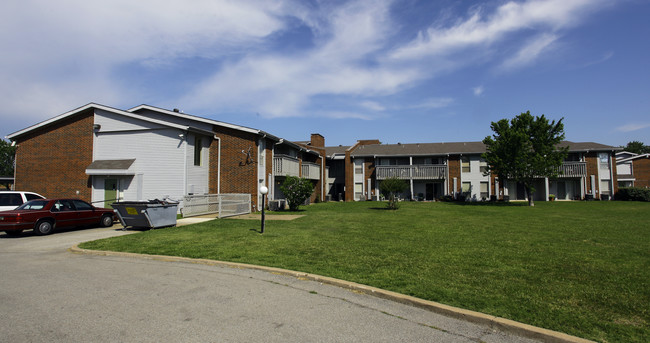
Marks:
<point>110,192</point>
<point>561,190</point>
<point>428,191</point>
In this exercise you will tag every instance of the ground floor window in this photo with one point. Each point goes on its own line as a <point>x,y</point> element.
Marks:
<point>626,183</point>
<point>484,191</point>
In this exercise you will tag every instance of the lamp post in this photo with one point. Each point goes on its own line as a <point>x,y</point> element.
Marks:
<point>264,190</point>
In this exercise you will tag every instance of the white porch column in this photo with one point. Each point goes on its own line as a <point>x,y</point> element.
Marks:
<point>411,175</point>
<point>546,188</point>
<point>453,193</point>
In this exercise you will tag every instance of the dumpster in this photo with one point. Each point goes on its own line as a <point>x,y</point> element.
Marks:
<point>150,214</point>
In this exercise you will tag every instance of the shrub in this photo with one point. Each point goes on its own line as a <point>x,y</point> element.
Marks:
<point>296,190</point>
<point>633,194</point>
<point>390,187</point>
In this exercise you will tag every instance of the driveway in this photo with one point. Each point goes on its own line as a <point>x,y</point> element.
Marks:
<point>50,294</point>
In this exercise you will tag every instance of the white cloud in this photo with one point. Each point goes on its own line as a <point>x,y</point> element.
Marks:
<point>372,105</point>
<point>530,51</point>
<point>478,90</point>
<point>633,127</point>
<point>482,30</point>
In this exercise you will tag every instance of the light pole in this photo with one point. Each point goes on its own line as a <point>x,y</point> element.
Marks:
<point>264,191</point>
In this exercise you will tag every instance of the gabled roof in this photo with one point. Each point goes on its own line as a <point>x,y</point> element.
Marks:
<point>452,148</point>
<point>330,151</point>
<point>631,158</point>
<point>415,149</point>
<point>201,119</point>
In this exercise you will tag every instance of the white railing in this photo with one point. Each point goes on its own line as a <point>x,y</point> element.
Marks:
<point>414,172</point>
<point>573,169</point>
<point>286,165</point>
<point>310,171</point>
<point>225,205</point>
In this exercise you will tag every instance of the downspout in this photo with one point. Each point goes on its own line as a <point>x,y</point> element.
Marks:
<point>13,185</point>
<point>184,142</point>
<point>218,164</point>
<point>611,176</point>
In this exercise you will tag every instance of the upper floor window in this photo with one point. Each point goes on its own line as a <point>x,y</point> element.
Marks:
<point>572,157</point>
<point>483,167</point>
<point>464,164</point>
<point>198,145</point>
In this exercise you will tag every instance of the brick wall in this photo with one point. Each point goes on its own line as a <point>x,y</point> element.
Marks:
<point>52,161</point>
<point>591,160</point>
<point>641,169</point>
<point>453,163</point>
<point>238,173</point>
<point>369,173</point>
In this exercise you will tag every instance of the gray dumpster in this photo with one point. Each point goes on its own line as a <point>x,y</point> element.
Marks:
<point>150,214</point>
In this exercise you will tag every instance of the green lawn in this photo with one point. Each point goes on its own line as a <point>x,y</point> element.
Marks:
<point>582,268</point>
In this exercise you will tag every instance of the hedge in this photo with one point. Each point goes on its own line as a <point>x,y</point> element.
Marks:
<point>633,194</point>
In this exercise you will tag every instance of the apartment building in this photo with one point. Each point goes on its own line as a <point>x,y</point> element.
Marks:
<point>98,153</point>
<point>435,170</point>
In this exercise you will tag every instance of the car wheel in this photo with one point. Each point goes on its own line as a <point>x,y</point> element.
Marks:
<point>13,233</point>
<point>43,227</point>
<point>107,220</point>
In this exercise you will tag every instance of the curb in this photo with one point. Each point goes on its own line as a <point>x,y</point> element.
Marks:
<point>502,324</point>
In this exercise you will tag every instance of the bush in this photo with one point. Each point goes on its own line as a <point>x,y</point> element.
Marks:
<point>390,187</point>
<point>296,190</point>
<point>633,194</point>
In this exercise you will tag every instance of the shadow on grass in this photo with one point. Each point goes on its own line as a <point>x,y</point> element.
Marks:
<point>489,203</point>
<point>383,209</point>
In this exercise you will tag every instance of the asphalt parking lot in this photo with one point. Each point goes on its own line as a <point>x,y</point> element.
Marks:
<point>48,293</point>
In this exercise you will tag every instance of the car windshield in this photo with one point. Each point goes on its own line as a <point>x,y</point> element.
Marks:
<point>33,205</point>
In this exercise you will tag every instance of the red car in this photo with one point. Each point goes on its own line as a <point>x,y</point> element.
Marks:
<point>44,215</point>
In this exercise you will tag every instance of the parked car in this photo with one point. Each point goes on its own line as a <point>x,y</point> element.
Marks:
<point>45,215</point>
<point>9,200</point>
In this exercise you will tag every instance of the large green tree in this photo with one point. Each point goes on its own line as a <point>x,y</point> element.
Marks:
<point>637,147</point>
<point>7,158</point>
<point>525,148</point>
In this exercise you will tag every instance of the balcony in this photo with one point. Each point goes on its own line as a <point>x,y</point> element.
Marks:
<point>285,165</point>
<point>310,171</point>
<point>573,169</point>
<point>415,172</point>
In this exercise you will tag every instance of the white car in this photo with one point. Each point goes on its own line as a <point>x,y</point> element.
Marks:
<point>9,200</point>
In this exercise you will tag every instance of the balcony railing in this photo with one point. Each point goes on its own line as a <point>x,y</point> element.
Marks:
<point>285,165</point>
<point>415,172</point>
<point>573,169</point>
<point>310,171</point>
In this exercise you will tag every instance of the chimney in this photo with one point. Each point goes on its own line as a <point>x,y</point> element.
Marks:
<point>317,140</point>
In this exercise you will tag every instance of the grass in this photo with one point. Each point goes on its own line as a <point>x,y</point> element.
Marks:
<point>582,268</point>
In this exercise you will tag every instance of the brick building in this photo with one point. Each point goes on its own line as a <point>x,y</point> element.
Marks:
<point>434,170</point>
<point>633,170</point>
<point>98,153</point>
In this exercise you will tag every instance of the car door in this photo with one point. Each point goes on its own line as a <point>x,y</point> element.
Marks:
<point>85,213</point>
<point>64,213</point>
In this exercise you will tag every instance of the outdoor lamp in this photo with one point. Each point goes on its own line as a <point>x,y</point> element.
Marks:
<point>264,190</point>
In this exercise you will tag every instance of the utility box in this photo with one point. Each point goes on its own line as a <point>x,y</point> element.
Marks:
<point>150,214</point>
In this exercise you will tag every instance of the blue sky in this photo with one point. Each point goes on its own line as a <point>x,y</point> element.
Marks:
<point>400,71</point>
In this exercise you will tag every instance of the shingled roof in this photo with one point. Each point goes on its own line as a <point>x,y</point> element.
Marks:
<point>451,148</point>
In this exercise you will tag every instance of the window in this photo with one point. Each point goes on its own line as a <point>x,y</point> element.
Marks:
<point>10,199</point>
<point>31,196</point>
<point>484,190</point>
<point>198,145</point>
<point>82,206</point>
<point>358,191</point>
<point>483,167</point>
<point>604,187</point>
<point>466,188</point>
<point>464,163</point>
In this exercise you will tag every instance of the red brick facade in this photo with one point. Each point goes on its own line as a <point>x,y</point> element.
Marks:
<point>238,169</point>
<point>641,169</point>
<point>453,163</point>
<point>52,160</point>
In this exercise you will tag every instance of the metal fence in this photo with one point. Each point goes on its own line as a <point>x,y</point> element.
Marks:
<point>226,205</point>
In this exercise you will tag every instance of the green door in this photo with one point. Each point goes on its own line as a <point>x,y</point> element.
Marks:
<point>110,192</point>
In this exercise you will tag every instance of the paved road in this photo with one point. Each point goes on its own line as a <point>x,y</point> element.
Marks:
<point>49,294</point>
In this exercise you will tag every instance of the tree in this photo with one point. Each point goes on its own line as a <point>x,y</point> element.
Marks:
<point>7,158</point>
<point>296,190</point>
<point>524,149</point>
<point>637,147</point>
<point>390,187</point>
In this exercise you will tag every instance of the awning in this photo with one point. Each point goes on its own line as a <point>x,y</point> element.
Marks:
<point>111,167</point>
